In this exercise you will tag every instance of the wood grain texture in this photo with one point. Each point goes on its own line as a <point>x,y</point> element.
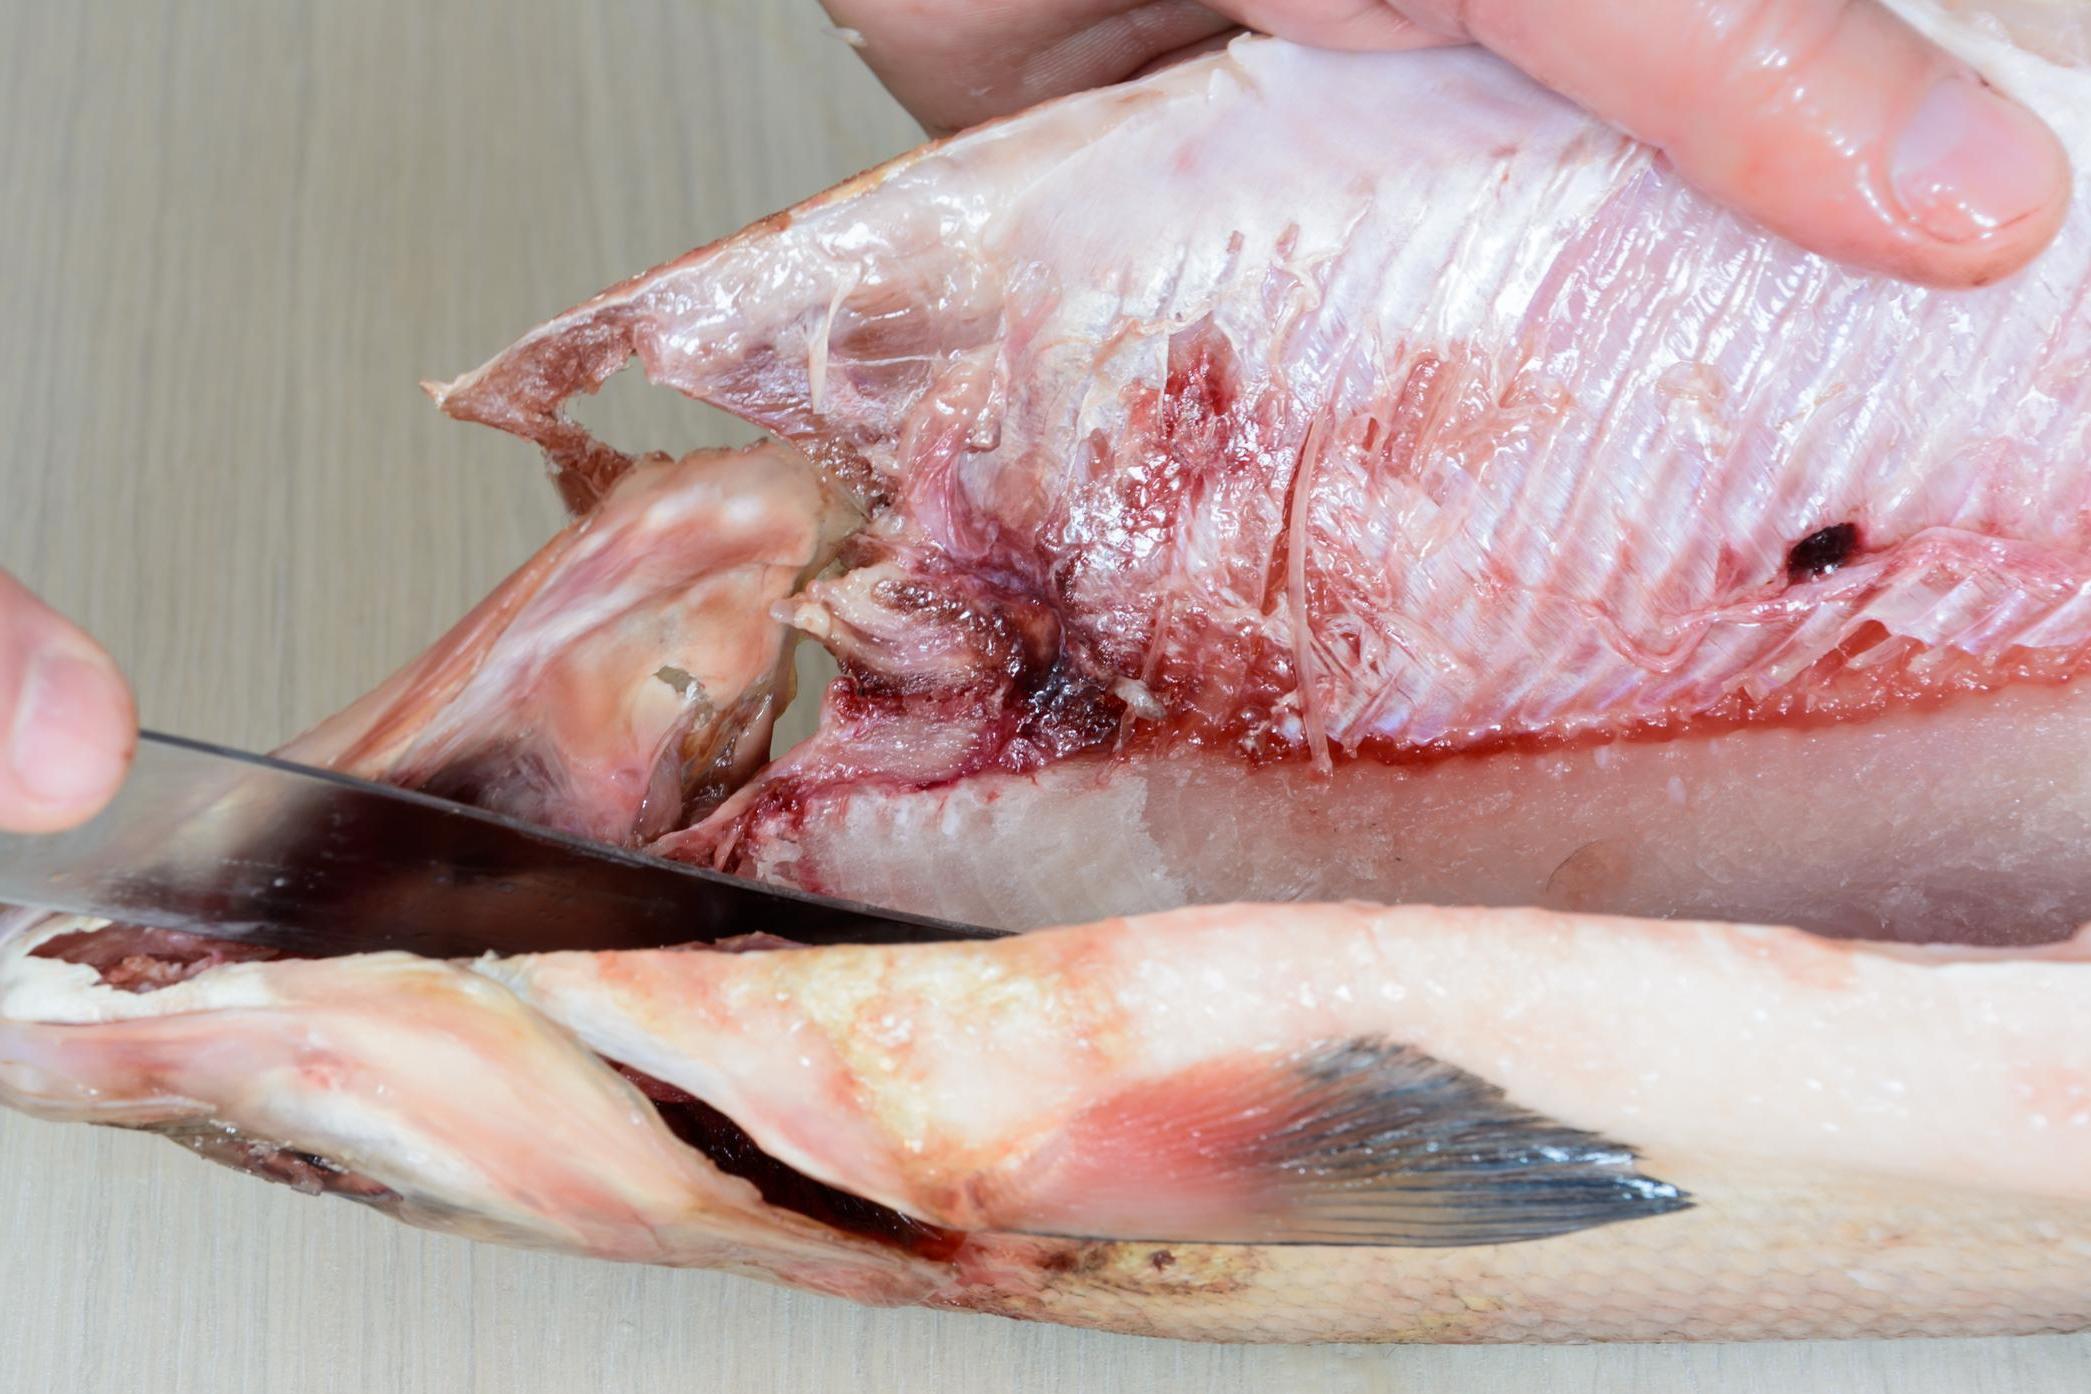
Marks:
<point>232,236</point>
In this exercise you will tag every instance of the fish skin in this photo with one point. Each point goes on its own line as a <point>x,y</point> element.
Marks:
<point>478,1116</point>
<point>627,676</point>
<point>1744,1276</point>
<point>1937,1068</point>
<point>1935,1223</point>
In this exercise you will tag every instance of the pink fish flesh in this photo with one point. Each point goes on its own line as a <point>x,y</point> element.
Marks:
<point>1209,508</point>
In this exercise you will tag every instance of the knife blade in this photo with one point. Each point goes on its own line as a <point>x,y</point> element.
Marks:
<point>240,846</point>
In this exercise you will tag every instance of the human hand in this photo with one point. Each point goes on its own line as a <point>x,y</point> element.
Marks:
<point>1832,122</point>
<point>67,725</point>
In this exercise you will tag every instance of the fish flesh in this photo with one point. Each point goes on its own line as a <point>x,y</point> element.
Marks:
<point>1392,484</point>
<point>1552,725</point>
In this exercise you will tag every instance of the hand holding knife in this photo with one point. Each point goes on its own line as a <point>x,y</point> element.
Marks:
<point>232,845</point>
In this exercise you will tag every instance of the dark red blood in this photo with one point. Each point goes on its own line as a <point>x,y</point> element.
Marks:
<point>134,958</point>
<point>1821,552</point>
<point>301,1171</point>
<point>732,1151</point>
<point>1031,698</point>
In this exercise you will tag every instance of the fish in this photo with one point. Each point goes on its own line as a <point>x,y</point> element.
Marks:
<point>1536,732</point>
<point>1391,485</point>
<point>1813,1153</point>
<point>625,679</point>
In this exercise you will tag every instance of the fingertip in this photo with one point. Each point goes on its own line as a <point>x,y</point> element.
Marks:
<point>70,734</point>
<point>1981,181</point>
<point>1832,123</point>
<point>1952,211</point>
<point>1354,28</point>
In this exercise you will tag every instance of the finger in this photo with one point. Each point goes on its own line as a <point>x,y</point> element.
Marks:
<point>1361,26</point>
<point>1833,122</point>
<point>953,65</point>
<point>67,724</point>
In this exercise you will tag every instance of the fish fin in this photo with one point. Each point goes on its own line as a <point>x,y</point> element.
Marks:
<point>1356,1142</point>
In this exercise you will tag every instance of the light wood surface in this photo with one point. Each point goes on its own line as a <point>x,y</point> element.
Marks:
<point>232,236</point>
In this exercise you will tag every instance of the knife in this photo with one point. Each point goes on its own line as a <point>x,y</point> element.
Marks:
<point>232,845</point>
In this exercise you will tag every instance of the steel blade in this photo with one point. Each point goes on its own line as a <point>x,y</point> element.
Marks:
<point>243,846</point>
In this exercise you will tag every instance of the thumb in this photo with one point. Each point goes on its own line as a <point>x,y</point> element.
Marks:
<point>1833,122</point>
<point>67,724</point>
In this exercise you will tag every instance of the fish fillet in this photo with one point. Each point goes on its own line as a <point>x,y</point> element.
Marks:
<point>1481,438</point>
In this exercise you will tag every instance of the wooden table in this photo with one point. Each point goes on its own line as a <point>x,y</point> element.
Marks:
<point>232,236</point>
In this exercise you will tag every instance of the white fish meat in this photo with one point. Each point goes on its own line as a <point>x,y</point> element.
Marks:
<point>1290,479</point>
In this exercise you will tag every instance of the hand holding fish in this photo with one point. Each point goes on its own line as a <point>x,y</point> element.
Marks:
<point>66,719</point>
<point>1836,124</point>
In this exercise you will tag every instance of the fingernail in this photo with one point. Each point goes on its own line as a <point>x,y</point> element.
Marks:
<point>1972,160</point>
<point>71,732</point>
